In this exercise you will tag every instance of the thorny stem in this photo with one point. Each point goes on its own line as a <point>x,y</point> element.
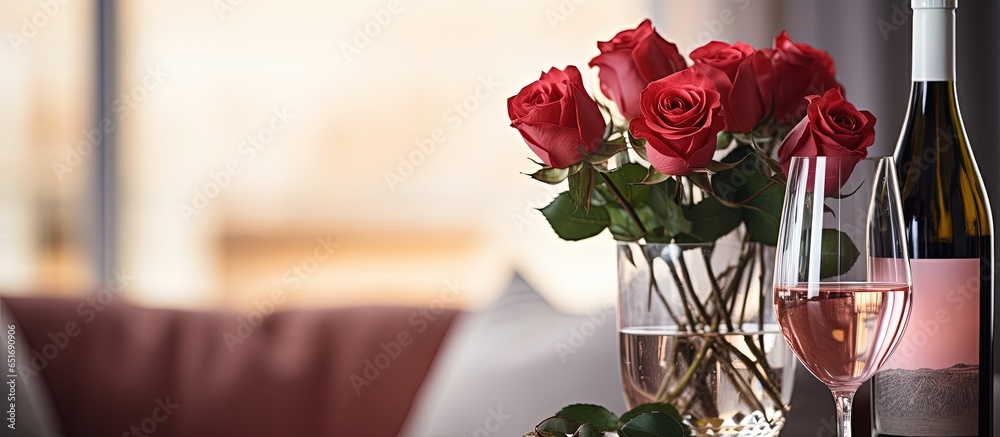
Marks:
<point>654,287</point>
<point>760,368</point>
<point>684,300</point>
<point>694,296</point>
<point>734,286</point>
<point>769,387</point>
<point>746,297</point>
<point>621,201</point>
<point>760,295</point>
<point>741,385</point>
<point>716,292</point>
<point>692,368</point>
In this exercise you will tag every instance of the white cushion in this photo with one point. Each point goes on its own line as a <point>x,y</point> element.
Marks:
<point>508,366</point>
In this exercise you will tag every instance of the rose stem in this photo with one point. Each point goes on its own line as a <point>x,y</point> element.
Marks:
<point>716,292</point>
<point>623,203</point>
<point>734,285</point>
<point>690,371</point>
<point>654,287</point>
<point>694,297</point>
<point>757,352</point>
<point>741,385</point>
<point>703,394</point>
<point>684,300</point>
<point>771,390</point>
<point>760,296</point>
<point>746,297</point>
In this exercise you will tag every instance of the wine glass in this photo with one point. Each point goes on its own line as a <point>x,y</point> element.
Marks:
<point>842,276</point>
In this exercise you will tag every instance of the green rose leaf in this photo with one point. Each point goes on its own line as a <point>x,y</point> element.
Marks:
<point>572,223</point>
<point>588,430</point>
<point>628,179</point>
<point>746,183</point>
<point>622,226</point>
<point>762,214</point>
<point>837,253</point>
<point>546,434</point>
<point>649,408</point>
<point>668,211</point>
<point>653,424</point>
<point>710,219</point>
<point>730,184</point>
<point>558,424</point>
<point>596,415</point>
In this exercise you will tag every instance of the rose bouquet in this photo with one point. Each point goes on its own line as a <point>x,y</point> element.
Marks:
<point>687,155</point>
<point>633,159</point>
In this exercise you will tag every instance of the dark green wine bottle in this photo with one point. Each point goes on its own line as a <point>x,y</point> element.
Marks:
<point>939,379</point>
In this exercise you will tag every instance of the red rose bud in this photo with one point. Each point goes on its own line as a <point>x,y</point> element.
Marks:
<point>557,118</point>
<point>799,71</point>
<point>680,118</point>
<point>630,61</point>
<point>833,127</point>
<point>743,77</point>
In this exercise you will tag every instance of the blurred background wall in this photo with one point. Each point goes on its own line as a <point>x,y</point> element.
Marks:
<point>251,137</point>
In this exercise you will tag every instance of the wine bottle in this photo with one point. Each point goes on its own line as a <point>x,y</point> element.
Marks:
<point>939,379</point>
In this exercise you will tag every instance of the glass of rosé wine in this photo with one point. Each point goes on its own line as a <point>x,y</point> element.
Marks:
<point>842,276</point>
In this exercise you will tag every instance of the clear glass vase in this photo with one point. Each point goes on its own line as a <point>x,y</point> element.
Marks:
<point>697,330</point>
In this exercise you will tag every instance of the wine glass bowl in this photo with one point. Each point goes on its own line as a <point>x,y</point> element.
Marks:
<point>842,276</point>
<point>843,332</point>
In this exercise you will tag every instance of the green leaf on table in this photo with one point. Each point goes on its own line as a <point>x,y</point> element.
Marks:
<point>545,434</point>
<point>588,430</point>
<point>596,415</point>
<point>581,188</point>
<point>649,408</point>
<point>572,223</point>
<point>837,253</point>
<point>558,424</point>
<point>710,219</point>
<point>653,424</point>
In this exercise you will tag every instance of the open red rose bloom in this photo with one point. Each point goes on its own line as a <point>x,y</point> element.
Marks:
<point>557,118</point>
<point>681,116</point>
<point>747,95</point>
<point>833,127</point>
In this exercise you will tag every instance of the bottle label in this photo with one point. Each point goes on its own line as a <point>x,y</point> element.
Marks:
<point>930,384</point>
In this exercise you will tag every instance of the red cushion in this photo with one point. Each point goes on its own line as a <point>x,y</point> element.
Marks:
<point>298,373</point>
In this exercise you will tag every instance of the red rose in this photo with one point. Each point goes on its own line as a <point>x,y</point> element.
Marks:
<point>681,116</point>
<point>630,61</point>
<point>557,118</point>
<point>835,128</point>
<point>743,77</point>
<point>799,71</point>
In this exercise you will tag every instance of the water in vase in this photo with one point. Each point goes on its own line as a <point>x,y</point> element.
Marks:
<point>729,384</point>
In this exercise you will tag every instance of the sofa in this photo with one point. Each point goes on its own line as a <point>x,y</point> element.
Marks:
<point>100,366</point>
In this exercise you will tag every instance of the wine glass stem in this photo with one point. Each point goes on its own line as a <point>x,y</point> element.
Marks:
<point>844,400</point>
